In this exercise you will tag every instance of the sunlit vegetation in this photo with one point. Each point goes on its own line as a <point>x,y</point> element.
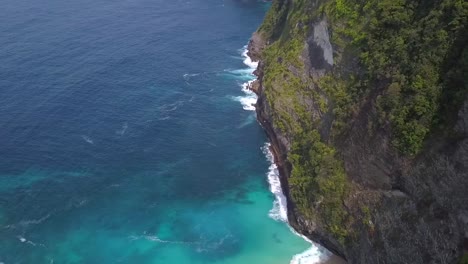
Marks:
<point>408,57</point>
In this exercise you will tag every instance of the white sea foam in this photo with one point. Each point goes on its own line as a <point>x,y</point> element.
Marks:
<point>87,139</point>
<point>248,100</point>
<point>315,254</point>
<point>188,76</point>
<point>242,74</point>
<point>122,131</point>
<point>164,118</point>
<point>279,211</point>
<point>247,60</point>
<point>154,238</point>
<point>24,240</point>
<point>170,107</point>
<point>26,223</point>
<point>250,119</point>
<point>245,87</point>
<point>280,208</point>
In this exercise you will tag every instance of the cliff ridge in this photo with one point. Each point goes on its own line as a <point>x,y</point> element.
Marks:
<point>366,108</point>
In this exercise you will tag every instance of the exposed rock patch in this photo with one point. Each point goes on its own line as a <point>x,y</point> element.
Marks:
<point>320,48</point>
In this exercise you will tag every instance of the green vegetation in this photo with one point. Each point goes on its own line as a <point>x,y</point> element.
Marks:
<point>279,58</point>
<point>318,178</point>
<point>318,181</point>
<point>407,58</point>
<point>274,18</point>
<point>336,88</point>
<point>407,50</point>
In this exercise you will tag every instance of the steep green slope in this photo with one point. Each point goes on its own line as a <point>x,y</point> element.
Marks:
<point>366,104</point>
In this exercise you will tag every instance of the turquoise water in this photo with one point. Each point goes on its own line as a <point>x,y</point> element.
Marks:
<point>126,136</point>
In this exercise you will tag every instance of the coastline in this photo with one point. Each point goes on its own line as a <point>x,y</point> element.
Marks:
<point>277,149</point>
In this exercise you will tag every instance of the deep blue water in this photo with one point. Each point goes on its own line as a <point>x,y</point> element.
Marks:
<point>122,137</point>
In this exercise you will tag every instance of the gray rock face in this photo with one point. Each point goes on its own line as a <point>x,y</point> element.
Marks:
<point>319,51</point>
<point>322,39</point>
<point>403,209</point>
<point>418,209</point>
<point>256,44</point>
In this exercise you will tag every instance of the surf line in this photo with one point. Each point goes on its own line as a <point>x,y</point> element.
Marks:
<point>315,254</point>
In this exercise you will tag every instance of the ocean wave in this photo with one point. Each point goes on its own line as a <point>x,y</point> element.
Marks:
<point>207,245</point>
<point>24,240</point>
<point>250,119</point>
<point>170,107</point>
<point>245,87</point>
<point>157,239</point>
<point>87,139</point>
<point>154,238</point>
<point>26,223</point>
<point>200,75</point>
<point>249,100</point>
<point>247,60</point>
<point>122,131</point>
<point>246,73</point>
<point>188,76</point>
<point>241,74</point>
<point>315,254</point>
<point>279,211</point>
<point>203,245</point>
<point>311,256</point>
<point>164,118</point>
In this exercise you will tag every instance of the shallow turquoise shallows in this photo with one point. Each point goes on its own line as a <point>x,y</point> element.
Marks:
<point>126,137</point>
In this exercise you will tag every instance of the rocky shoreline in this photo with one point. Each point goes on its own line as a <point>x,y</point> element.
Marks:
<point>401,209</point>
<point>380,154</point>
<point>279,149</point>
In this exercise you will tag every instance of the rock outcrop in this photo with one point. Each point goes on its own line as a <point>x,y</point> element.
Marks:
<point>351,184</point>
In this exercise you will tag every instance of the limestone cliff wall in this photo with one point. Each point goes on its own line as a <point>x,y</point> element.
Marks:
<point>390,206</point>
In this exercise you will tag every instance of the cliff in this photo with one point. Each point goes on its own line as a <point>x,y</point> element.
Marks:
<point>365,103</point>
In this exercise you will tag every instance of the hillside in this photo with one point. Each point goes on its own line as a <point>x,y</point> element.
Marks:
<point>366,105</point>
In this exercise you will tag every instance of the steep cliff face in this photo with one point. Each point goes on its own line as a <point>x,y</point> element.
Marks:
<point>366,105</point>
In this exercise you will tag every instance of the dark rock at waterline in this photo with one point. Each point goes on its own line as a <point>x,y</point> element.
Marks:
<point>402,210</point>
<point>254,86</point>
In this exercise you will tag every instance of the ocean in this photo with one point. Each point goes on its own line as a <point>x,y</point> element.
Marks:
<point>128,136</point>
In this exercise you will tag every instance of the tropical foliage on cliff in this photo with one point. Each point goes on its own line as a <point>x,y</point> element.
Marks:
<point>408,57</point>
<point>412,54</point>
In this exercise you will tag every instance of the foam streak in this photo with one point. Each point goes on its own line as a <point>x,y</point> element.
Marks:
<point>248,100</point>
<point>315,254</point>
